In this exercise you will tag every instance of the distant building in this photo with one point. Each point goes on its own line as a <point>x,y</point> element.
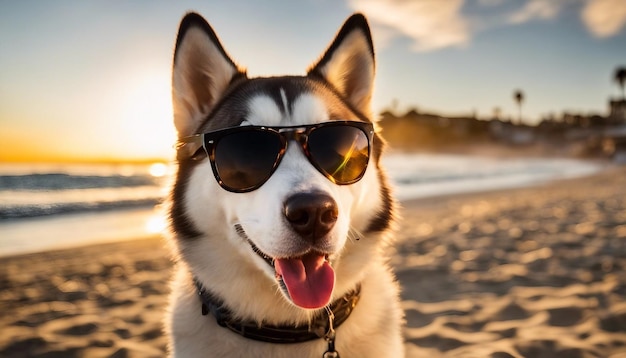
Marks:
<point>617,111</point>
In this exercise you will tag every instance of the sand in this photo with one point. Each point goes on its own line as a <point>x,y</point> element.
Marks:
<point>96,301</point>
<point>534,272</point>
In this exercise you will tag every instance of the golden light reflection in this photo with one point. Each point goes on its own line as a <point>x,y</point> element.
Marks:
<point>156,224</point>
<point>158,170</point>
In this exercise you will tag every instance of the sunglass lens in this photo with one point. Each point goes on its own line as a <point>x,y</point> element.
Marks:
<point>341,152</point>
<point>245,159</point>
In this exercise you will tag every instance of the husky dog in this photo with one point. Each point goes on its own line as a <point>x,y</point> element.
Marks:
<point>280,213</point>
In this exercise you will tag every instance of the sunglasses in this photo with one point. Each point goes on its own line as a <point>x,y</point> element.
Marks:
<point>244,158</point>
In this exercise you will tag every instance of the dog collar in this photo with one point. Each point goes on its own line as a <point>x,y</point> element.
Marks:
<point>322,325</point>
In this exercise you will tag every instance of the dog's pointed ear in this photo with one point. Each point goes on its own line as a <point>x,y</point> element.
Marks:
<point>202,73</point>
<point>348,64</point>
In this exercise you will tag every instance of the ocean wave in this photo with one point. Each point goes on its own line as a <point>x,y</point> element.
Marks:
<point>62,181</point>
<point>38,210</point>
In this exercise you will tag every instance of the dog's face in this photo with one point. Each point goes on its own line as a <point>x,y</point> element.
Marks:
<point>308,235</point>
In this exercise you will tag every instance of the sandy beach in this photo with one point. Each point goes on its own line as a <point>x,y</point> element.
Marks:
<point>532,272</point>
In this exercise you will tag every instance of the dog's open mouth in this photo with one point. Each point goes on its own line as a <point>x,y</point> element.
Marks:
<point>308,280</point>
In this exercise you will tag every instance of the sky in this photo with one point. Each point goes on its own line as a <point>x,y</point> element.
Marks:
<point>90,80</point>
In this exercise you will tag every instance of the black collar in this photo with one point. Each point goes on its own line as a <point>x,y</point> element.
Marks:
<point>320,326</point>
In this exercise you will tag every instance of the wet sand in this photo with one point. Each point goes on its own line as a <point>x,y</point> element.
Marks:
<point>532,272</point>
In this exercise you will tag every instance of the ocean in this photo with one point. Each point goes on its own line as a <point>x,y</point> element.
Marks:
<point>45,207</point>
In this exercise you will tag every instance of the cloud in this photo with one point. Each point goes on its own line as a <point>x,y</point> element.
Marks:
<point>604,18</point>
<point>536,9</point>
<point>437,24</point>
<point>431,24</point>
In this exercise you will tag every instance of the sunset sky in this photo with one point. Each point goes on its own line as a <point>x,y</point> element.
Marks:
<point>90,80</point>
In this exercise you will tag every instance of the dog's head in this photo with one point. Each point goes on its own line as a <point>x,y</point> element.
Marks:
<point>310,236</point>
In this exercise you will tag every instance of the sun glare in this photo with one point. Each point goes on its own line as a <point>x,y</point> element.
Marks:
<point>147,118</point>
<point>157,170</point>
<point>156,224</point>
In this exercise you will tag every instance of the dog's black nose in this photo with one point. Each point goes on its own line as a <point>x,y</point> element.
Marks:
<point>311,215</point>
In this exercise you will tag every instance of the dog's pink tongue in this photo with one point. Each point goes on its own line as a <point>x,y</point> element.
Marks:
<point>309,279</point>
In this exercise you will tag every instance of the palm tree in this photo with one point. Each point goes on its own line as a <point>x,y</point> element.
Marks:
<point>518,96</point>
<point>620,78</point>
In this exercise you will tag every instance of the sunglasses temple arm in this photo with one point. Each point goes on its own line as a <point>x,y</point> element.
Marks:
<point>188,146</point>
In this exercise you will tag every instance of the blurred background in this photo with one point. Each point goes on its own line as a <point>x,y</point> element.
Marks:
<point>472,95</point>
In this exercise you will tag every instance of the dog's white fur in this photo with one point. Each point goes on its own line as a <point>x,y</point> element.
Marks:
<point>226,264</point>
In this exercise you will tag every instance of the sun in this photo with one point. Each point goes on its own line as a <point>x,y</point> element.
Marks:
<point>145,125</point>
<point>157,170</point>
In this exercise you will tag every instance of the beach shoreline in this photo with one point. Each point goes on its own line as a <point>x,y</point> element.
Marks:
<point>89,228</point>
<point>524,272</point>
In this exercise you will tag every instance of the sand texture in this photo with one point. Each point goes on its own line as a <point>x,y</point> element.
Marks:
<point>95,301</point>
<point>535,272</point>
